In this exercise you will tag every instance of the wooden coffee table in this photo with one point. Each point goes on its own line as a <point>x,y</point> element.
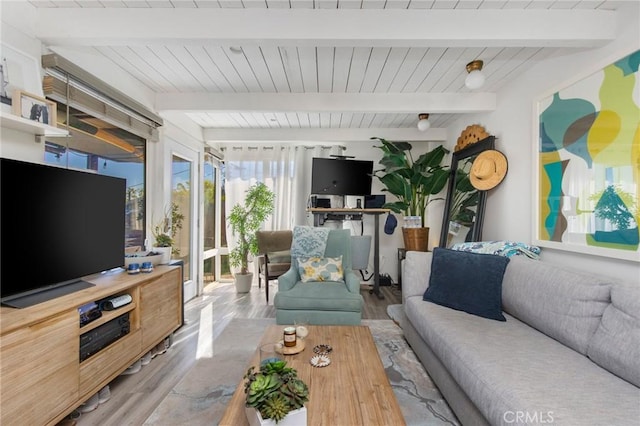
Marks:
<point>352,390</point>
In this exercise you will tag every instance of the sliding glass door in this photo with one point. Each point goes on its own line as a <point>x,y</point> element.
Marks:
<point>183,205</point>
<point>214,235</point>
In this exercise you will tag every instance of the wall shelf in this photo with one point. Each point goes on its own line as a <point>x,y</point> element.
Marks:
<point>11,121</point>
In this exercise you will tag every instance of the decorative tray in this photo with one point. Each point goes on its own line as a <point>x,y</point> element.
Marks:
<point>291,350</point>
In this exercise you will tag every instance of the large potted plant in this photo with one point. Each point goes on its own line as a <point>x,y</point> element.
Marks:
<point>275,395</point>
<point>245,219</point>
<point>414,182</point>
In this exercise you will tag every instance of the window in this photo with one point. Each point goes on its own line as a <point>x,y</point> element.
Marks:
<point>108,134</point>
<point>104,149</point>
<point>181,203</point>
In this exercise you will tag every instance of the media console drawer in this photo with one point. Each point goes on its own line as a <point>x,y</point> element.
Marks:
<point>101,368</point>
<point>40,361</point>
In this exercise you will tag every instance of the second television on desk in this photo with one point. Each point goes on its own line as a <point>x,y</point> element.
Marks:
<point>341,177</point>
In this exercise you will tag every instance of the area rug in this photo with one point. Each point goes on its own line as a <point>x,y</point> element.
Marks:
<point>202,395</point>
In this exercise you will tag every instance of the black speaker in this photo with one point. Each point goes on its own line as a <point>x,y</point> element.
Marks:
<point>323,203</point>
<point>374,201</point>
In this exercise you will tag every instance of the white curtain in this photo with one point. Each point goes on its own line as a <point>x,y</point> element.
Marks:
<point>285,169</point>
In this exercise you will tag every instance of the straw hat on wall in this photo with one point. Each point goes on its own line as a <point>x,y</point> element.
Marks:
<point>488,170</point>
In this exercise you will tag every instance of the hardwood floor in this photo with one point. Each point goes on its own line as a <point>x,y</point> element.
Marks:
<point>134,397</point>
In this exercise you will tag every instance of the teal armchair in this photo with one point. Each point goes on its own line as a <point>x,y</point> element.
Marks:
<point>324,302</point>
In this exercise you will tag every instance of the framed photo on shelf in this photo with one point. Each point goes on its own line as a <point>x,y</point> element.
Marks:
<point>586,164</point>
<point>33,107</point>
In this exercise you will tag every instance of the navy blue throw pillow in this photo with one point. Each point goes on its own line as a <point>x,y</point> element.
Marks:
<point>469,282</point>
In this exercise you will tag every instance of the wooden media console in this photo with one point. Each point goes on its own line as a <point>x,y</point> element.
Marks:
<point>41,376</point>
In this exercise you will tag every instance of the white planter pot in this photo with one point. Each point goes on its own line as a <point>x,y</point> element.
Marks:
<point>243,282</point>
<point>294,418</point>
<point>166,254</point>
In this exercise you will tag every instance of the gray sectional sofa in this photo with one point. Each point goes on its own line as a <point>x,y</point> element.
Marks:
<point>568,353</point>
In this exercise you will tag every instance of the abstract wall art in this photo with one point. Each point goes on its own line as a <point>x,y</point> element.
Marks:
<point>588,164</point>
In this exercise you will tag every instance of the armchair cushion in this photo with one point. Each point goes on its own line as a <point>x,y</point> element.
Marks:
<point>320,269</point>
<point>276,269</point>
<point>281,256</point>
<point>326,302</point>
<point>320,296</point>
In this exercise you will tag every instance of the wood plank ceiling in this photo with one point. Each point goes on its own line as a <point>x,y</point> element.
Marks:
<point>321,69</point>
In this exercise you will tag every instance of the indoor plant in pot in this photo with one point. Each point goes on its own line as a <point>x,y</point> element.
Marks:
<point>414,183</point>
<point>275,395</point>
<point>165,231</point>
<point>245,219</point>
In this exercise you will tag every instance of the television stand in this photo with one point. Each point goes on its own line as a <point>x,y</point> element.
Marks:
<point>319,216</point>
<point>46,370</point>
<point>46,294</point>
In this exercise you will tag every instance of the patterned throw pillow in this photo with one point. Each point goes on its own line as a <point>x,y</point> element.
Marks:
<point>320,269</point>
<point>308,241</point>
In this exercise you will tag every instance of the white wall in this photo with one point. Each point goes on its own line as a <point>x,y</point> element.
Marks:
<point>15,144</point>
<point>510,207</point>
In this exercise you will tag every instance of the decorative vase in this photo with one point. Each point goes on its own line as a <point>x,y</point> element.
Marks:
<point>294,418</point>
<point>166,254</point>
<point>416,239</point>
<point>243,282</point>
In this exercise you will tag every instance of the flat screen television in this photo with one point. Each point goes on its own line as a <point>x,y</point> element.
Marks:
<point>341,177</point>
<point>56,226</point>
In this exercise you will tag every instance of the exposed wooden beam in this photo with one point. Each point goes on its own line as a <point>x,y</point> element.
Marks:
<point>311,135</point>
<point>327,102</point>
<point>327,27</point>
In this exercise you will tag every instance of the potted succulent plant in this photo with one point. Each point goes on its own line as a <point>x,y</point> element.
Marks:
<point>414,182</point>
<point>275,395</point>
<point>245,219</point>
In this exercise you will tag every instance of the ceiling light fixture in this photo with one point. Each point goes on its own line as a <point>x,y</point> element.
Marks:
<point>475,79</point>
<point>423,122</point>
<point>235,49</point>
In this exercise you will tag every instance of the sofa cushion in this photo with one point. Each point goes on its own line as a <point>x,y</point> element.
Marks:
<point>416,271</point>
<point>616,344</point>
<point>562,303</point>
<point>509,369</point>
<point>320,269</point>
<point>468,282</point>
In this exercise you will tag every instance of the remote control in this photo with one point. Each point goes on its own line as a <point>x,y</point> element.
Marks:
<point>115,302</point>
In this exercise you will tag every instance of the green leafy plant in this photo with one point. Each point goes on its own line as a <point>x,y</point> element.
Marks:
<point>245,220</point>
<point>413,182</point>
<point>275,390</point>
<point>165,231</point>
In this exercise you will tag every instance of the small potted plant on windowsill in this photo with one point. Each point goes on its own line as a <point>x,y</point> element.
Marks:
<point>165,231</point>
<point>275,395</point>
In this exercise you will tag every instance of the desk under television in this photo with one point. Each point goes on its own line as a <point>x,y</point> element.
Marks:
<point>321,214</point>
